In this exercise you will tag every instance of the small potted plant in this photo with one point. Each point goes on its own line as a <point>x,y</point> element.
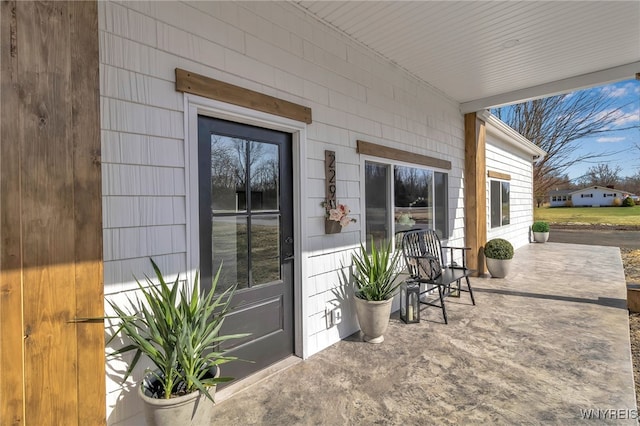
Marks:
<point>498,253</point>
<point>375,277</point>
<point>540,231</point>
<point>179,332</point>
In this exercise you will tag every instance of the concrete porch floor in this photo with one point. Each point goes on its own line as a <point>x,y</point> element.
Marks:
<point>541,345</point>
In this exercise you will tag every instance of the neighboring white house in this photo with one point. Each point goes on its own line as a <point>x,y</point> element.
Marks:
<point>598,196</point>
<point>161,147</point>
<point>593,196</point>
<point>510,158</point>
<point>560,197</point>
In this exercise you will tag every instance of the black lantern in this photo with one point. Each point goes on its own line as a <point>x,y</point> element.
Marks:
<point>410,302</point>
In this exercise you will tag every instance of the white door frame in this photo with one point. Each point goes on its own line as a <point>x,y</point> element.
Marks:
<point>196,105</point>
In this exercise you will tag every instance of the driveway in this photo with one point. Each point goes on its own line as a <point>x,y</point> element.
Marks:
<point>599,236</point>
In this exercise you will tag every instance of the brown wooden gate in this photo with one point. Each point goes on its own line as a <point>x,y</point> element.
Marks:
<point>52,368</point>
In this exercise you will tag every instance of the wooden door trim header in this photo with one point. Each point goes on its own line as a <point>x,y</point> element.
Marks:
<point>196,84</point>
<point>498,175</point>
<point>382,151</point>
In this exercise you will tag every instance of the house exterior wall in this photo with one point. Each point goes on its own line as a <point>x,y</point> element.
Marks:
<point>276,49</point>
<point>596,196</point>
<point>505,158</point>
<point>560,200</point>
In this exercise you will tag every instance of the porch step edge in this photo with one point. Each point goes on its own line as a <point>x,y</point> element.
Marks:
<point>255,378</point>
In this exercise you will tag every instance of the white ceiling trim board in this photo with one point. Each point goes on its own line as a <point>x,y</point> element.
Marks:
<point>622,72</point>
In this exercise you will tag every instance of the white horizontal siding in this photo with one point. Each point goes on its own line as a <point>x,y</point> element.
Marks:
<point>505,158</point>
<point>119,274</point>
<point>127,148</point>
<point>597,197</point>
<point>272,48</point>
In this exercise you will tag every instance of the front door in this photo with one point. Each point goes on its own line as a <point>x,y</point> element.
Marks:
<point>246,225</point>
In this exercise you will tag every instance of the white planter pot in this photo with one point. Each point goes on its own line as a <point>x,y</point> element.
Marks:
<point>498,268</point>
<point>540,237</point>
<point>193,409</point>
<point>373,318</point>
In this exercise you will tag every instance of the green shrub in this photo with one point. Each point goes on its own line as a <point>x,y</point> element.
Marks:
<point>540,226</point>
<point>628,202</point>
<point>498,248</point>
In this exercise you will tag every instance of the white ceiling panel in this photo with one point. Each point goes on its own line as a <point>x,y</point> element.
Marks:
<point>484,53</point>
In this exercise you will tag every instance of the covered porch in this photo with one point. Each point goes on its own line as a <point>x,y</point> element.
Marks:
<point>547,344</point>
<point>97,176</point>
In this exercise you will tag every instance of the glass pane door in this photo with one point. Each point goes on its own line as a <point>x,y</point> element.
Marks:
<point>245,204</point>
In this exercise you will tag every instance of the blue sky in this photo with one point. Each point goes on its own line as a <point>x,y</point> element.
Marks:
<point>623,143</point>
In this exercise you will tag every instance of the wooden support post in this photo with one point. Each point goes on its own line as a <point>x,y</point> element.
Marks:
<point>52,367</point>
<point>633,297</point>
<point>475,190</point>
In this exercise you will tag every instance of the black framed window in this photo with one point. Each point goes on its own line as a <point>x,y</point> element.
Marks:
<point>401,197</point>
<point>376,201</point>
<point>500,203</point>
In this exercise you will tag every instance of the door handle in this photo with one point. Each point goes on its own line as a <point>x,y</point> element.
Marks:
<point>288,257</point>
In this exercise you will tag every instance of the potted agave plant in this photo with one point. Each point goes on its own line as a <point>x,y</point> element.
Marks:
<point>178,330</point>
<point>376,283</point>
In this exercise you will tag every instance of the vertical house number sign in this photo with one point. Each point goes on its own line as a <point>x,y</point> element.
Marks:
<point>331,227</point>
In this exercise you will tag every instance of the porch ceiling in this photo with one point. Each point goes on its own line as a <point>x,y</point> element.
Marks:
<point>489,53</point>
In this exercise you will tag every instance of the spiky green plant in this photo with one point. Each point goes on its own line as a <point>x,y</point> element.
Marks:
<point>179,333</point>
<point>375,274</point>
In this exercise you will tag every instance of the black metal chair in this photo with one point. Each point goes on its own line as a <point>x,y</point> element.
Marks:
<point>424,259</point>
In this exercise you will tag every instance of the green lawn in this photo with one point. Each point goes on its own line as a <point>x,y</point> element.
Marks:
<point>591,215</point>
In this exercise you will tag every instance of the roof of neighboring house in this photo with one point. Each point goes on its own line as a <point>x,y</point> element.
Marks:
<point>590,188</point>
<point>560,192</point>
<point>602,188</point>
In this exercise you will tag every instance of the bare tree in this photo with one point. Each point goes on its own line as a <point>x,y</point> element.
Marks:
<point>632,183</point>
<point>553,181</point>
<point>557,123</point>
<point>602,175</point>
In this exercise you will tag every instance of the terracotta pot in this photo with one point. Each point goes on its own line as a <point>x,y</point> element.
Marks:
<point>373,317</point>
<point>193,409</point>
<point>498,268</point>
<point>540,237</point>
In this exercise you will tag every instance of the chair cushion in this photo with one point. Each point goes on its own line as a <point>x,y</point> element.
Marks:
<point>430,268</point>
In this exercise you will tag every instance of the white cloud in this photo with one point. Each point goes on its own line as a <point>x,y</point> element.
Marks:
<point>628,118</point>
<point>615,92</point>
<point>620,118</point>
<point>621,91</point>
<point>610,139</point>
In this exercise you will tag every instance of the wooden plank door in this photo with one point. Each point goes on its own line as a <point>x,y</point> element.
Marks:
<point>52,368</point>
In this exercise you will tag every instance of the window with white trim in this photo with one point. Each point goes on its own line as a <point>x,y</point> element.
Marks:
<point>500,203</point>
<point>401,197</point>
